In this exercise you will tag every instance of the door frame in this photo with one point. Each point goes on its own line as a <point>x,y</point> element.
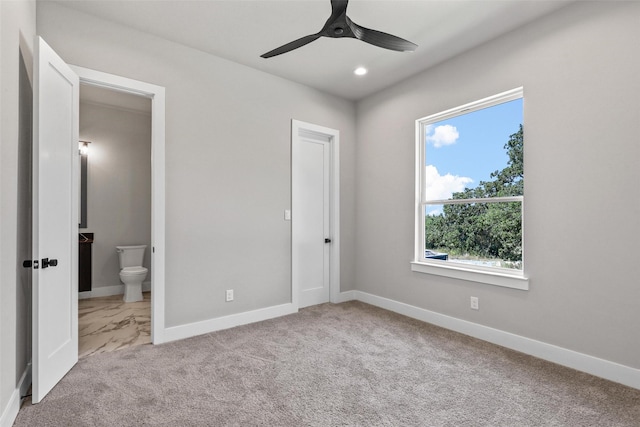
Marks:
<point>298,130</point>
<point>157,96</point>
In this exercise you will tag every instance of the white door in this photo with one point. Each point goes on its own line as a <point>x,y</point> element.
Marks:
<point>311,216</point>
<point>55,220</point>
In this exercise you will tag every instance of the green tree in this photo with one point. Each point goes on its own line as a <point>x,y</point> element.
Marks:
<point>510,180</point>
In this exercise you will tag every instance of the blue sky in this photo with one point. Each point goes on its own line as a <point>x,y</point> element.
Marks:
<point>465,150</point>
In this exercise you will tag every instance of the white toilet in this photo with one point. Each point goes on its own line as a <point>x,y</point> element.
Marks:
<point>132,273</point>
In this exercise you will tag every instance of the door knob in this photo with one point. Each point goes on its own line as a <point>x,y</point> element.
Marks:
<point>46,262</point>
<point>327,240</point>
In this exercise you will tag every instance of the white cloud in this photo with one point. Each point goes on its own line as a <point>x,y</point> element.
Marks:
<point>442,187</point>
<point>441,136</point>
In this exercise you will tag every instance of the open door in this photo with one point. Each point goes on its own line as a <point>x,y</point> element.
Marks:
<point>55,220</point>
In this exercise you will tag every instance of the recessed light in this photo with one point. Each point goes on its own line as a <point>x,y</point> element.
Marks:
<point>360,71</point>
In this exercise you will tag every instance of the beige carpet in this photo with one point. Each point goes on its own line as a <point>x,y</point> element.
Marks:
<point>349,364</point>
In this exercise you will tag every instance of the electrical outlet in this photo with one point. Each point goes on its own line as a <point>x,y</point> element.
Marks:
<point>475,303</point>
<point>229,295</point>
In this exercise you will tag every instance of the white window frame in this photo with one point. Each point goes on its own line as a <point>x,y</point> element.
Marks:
<point>516,279</point>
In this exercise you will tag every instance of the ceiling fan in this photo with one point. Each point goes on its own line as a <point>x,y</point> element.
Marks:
<point>339,25</point>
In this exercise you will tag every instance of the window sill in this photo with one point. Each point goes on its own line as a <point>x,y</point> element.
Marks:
<point>514,281</point>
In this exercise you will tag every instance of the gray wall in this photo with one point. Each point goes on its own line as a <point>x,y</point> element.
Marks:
<point>579,68</point>
<point>228,163</point>
<point>17,29</point>
<point>119,185</point>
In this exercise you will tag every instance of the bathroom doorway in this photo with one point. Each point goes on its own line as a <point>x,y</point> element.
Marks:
<point>115,210</point>
<point>157,250</point>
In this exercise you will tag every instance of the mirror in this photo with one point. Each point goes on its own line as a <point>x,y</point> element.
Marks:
<point>83,188</point>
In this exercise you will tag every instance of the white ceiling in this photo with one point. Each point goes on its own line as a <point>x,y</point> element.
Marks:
<point>242,30</point>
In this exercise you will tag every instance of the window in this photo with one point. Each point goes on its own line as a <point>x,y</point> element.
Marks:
<point>470,192</point>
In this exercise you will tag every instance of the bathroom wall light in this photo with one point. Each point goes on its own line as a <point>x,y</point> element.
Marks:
<point>84,147</point>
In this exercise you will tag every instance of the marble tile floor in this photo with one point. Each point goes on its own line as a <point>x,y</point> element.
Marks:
<point>109,324</point>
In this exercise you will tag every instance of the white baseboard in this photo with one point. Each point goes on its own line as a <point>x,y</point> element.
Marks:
<point>582,362</point>
<point>107,291</point>
<point>345,296</point>
<point>198,328</point>
<point>10,412</point>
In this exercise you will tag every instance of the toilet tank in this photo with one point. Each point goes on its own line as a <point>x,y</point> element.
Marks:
<point>131,256</point>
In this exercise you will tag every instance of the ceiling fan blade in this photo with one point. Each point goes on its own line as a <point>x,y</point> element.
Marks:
<point>380,39</point>
<point>338,7</point>
<point>291,45</point>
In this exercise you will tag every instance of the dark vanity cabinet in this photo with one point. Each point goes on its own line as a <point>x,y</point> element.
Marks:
<point>84,264</point>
